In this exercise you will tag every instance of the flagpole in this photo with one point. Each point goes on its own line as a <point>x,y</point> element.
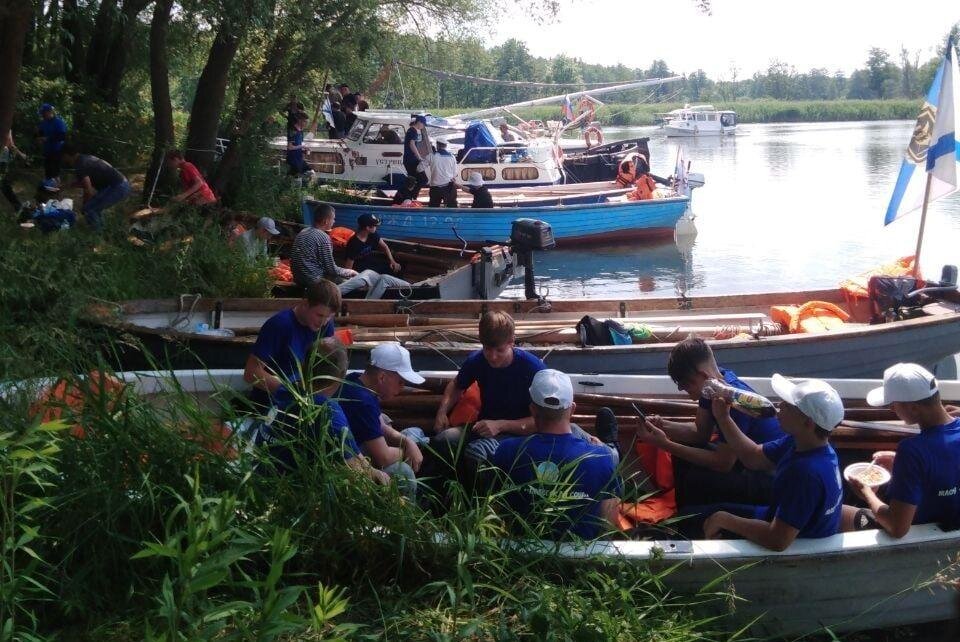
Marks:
<point>923,222</point>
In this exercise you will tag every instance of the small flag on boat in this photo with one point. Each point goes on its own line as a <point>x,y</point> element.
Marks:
<point>933,146</point>
<point>567,108</point>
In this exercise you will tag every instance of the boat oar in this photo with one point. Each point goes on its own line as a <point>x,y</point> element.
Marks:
<point>881,426</point>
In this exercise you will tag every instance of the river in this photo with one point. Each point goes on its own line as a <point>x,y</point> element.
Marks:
<point>785,207</point>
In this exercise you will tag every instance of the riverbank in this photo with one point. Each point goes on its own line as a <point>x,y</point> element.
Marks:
<point>748,111</point>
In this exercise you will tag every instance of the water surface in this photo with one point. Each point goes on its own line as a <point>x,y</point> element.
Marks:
<point>785,206</point>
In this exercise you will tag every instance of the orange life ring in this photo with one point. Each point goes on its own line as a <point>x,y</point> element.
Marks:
<point>587,134</point>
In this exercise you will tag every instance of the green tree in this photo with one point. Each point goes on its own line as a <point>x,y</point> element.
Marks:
<point>565,70</point>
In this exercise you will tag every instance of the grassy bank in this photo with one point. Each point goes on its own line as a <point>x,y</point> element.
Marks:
<point>748,111</point>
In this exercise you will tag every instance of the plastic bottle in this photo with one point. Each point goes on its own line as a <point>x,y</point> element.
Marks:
<point>201,327</point>
<point>744,400</point>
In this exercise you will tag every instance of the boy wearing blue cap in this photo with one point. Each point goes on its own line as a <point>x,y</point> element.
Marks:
<point>51,134</point>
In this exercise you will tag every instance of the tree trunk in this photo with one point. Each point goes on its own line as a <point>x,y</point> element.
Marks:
<point>13,30</point>
<point>210,96</point>
<point>163,134</point>
<point>71,42</point>
<point>111,75</point>
<point>101,38</point>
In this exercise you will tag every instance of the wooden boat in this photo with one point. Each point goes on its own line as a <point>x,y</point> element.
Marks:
<point>434,272</point>
<point>615,219</point>
<point>440,334</point>
<point>814,584</point>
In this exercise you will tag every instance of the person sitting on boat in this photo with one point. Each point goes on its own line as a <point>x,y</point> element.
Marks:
<point>503,374</point>
<point>553,463</point>
<point>443,175</point>
<point>196,191</point>
<point>481,193</point>
<point>412,155</point>
<point>925,470</point>
<point>362,245</point>
<point>296,161</point>
<point>707,471</point>
<point>807,496</point>
<point>386,136</point>
<point>254,242</point>
<point>506,134</point>
<point>284,339</point>
<point>296,434</point>
<point>360,395</point>
<point>407,192</point>
<point>311,259</point>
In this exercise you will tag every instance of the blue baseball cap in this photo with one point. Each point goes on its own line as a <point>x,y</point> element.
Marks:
<point>420,119</point>
<point>44,107</point>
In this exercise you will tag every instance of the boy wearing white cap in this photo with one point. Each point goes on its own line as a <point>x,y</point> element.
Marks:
<point>553,462</point>
<point>360,396</point>
<point>925,473</point>
<point>807,492</point>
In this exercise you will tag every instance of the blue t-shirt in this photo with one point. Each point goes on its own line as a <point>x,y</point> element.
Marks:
<point>282,345</point>
<point>288,430</point>
<point>760,430</point>
<point>362,408</point>
<point>807,491</point>
<point>545,465</point>
<point>295,156</point>
<point>926,474</point>
<point>55,132</point>
<point>504,392</point>
<point>413,134</point>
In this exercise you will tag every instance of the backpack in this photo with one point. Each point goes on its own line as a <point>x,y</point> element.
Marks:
<point>594,332</point>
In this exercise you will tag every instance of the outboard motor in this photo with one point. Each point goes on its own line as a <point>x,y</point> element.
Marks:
<point>528,235</point>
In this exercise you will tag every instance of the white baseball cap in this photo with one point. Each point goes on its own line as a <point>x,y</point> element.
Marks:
<point>551,389</point>
<point>903,382</point>
<point>815,398</point>
<point>394,357</point>
<point>268,224</point>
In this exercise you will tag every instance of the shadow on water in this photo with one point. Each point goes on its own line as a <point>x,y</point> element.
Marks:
<point>623,270</point>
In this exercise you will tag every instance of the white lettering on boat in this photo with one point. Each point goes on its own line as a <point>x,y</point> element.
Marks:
<point>947,492</point>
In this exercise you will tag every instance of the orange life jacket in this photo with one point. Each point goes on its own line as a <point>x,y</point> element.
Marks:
<point>812,316</point>
<point>645,186</point>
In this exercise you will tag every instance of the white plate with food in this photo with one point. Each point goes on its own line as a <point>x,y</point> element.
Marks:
<point>873,475</point>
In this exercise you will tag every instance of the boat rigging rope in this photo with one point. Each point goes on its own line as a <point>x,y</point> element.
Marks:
<point>507,83</point>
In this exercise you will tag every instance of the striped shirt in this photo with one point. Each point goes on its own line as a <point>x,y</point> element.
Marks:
<point>311,258</point>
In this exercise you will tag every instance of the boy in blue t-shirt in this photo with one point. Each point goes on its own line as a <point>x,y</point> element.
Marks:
<point>707,471</point>
<point>924,486</point>
<point>296,434</point>
<point>807,492</point>
<point>360,395</point>
<point>285,339</point>
<point>577,480</point>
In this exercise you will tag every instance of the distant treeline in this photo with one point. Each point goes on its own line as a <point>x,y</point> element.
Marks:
<point>883,76</point>
<point>748,111</point>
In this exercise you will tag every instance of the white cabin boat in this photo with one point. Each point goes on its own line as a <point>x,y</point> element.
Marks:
<point>371,154</point>
<point>699,120</point>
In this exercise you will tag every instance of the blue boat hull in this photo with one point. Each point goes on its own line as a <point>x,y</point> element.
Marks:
<point>580,222</point>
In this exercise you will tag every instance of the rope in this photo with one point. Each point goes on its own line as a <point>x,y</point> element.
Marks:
<point>506,83</point>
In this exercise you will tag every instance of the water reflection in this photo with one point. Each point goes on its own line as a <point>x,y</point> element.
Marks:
<point>786,206</point>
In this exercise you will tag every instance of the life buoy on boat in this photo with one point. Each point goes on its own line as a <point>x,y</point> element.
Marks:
<point>589,132</point>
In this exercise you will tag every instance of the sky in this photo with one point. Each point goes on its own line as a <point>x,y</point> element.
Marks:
<point>746,34</point>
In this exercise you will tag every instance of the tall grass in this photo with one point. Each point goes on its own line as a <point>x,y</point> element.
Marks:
<point>147,533</point>
<point>46,280</point>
